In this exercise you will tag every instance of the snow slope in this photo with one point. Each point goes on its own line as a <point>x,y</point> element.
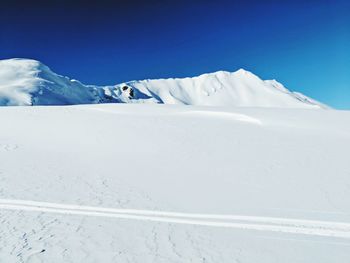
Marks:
<point>29,82</point>
<point>167,183</point>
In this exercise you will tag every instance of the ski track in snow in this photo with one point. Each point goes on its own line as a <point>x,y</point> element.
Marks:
<point>274,224</point>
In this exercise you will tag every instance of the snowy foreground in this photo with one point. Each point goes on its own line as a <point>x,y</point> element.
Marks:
<point>166,183</point>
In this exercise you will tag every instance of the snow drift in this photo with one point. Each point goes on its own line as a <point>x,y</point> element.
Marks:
<point>29,82</point>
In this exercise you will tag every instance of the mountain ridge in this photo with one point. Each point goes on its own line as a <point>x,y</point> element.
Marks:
<point>25,82</point>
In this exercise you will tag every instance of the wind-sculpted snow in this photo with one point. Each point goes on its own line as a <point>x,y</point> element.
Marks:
<point>29,82</point>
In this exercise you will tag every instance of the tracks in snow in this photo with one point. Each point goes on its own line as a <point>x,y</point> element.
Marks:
<point>274,224</point>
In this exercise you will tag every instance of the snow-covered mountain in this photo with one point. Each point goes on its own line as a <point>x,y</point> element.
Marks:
<point>29,82</point>
<point>170,183</point>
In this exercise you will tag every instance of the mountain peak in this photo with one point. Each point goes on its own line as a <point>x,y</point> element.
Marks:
<point>242,71</point>
<point>22,61</point>
<point>22,65</point>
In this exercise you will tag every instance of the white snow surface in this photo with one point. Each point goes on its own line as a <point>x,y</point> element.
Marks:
<point>168,183</point>
<point>29,82</point>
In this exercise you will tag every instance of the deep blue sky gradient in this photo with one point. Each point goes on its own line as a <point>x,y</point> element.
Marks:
<point>303,44</point>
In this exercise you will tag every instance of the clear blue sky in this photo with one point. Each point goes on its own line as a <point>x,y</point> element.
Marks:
<point>303,44</point>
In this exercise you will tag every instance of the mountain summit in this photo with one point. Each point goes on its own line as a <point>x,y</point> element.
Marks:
<point>29,82</point>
